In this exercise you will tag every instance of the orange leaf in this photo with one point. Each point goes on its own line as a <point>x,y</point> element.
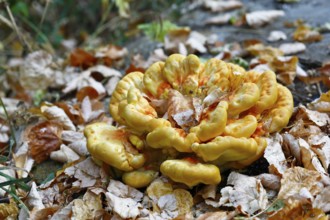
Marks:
<point>81,58</point>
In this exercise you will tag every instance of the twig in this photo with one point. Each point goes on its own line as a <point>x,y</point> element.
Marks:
<point>14,25</point>
<point>44,13</point>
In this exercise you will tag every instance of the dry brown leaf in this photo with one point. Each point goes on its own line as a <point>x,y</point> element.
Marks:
<point>111,51</point>
<point>90,207</point>
<point>309,158</point>
<point>42,214</point>
<point>275,156</point>
<point>259,18</point>
<point>292,48</point>
<point>296,178</point>
<point>285,68</point>
<point>305,33</point>
<point>298,209</point>
<point>43,138</point>
<point>57,114</point>
<point>219,6</point>
<point>220,215</point>
<point>292,148</point>
<point>82,58</point>
<point>321,104</point>
<point>276,36</point>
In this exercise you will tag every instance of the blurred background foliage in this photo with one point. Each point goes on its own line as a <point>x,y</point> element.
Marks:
<point>54,24</point>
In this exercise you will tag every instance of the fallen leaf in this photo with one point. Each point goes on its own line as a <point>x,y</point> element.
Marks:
<point>309,158</point>
<point>219,215</point>
<point>196,42</point>
<point>275,156</point>
<point>305,33</point>
<point>64,155</point>
<point>111,51</point>
<point>88,113</point>
<point>318,118</point>
<point>23,160</point>
<point>247,194</point>
<point>6,171</point>
<point>296,178</point>
<point>292,48</point>
<point>322,200</point>
<point>259,18</point>
<point>219,6</point>
<point>34,199</point>
<point>86,173</point>
<point>276,36</point>
<point>298,209</point>
<point>219,19</point>
<point>126,208</point>
<point>269,181</point>
<point>121,190</point>
<point>36,72</point>
<point>43,138</point>
<point>82,58</point>
<point>90,207</point>
<point>58,114</point>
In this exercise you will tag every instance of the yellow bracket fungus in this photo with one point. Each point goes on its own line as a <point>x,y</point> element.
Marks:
<point>215,112</point>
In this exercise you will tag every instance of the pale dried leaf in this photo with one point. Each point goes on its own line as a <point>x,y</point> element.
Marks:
<point>10,104</point>
<point>309,158</point>
<point>64,155</point>
<point>292,48</point>
<point>64,213</point>
<point>85,79</point>
<point>219,19</point>
<point>72,136</point>
<point>90,207</point>
<point>259,18</point>
<point>247,194</point>
<point>276,36</point>
<point>269,181</point>
<point>126,208</point>
<point>58,114</point>
<point>321,146</point>
<point>301,72</point>
<point>80,147</point>
<point>34,199</point>
<point>112,52</point>
<point>296,178</point>
<point>111,84</point>
<point>293,146</point>
<point>86,173</point>
<point>121,190</point>
<point>219,6</point>
<point>219,215</point>
<point>322,200</point>
<point>35,72</point>
<point>318,118</point>
<point>274,155</point>
<point>196,41</point>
